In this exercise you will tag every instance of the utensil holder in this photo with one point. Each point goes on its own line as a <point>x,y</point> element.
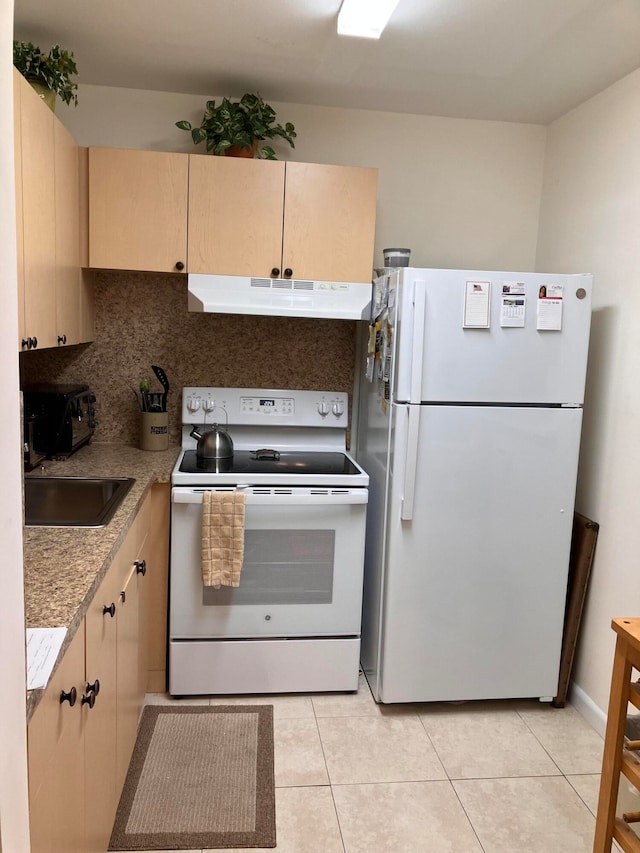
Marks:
<point>154,430</point>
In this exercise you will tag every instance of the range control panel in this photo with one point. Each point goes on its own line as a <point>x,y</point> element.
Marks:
<point>260,406</point>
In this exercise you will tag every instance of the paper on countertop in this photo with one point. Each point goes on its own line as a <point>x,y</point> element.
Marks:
<point>43,648</point>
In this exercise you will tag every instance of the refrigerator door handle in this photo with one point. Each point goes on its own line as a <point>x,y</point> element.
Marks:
<point>411,463</point>
<point>419,301</point>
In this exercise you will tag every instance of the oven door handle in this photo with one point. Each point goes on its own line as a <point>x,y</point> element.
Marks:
<point>319,498</point>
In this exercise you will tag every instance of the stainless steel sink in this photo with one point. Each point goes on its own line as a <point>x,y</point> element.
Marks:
<point>73,501</point>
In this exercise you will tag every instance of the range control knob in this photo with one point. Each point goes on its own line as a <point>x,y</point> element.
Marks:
<point>208,405</point>
<point>323,409</point>
<point>193,404</point>
<point>338,409</point>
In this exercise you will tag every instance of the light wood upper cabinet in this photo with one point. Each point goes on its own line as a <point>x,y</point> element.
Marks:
<point>17,147</point>
<point>137,210</point>
<point>38,212</point>
<point>54,303</point>
<point>68,277</point>
<point>87,308</point>
<point>329,222</point>
<point>235,215</point>
<point>259,218</point>
<point>270,219</point>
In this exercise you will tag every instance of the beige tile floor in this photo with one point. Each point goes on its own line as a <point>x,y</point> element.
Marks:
<point>480,777</point>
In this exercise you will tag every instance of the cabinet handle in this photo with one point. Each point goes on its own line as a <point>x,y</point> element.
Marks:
<point>62,339</point>
<point>275,272</point>
<point>288,272</point>
<point>26,343</point>
<point>69,697</point>
<point>93,688</point>
<point>111,610</point>
<point>88,699</point>
<point>141,567</point>
<point>34,342</point>
<point>179,266</point>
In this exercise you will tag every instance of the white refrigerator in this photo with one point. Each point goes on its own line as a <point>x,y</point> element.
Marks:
<point>469,419</point>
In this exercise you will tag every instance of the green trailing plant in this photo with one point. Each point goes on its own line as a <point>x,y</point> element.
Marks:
<point>51,69</point>
<point>239,124</point>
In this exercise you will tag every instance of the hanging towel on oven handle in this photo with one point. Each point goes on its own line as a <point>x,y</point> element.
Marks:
<point>222,538</point>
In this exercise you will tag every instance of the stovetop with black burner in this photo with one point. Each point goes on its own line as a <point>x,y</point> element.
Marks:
<point>244,462</point>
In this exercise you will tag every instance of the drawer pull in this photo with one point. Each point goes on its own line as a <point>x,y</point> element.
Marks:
<point>141,567</point>
<point>69,697</point>
<point>111,610</point>
<point>89,699</point>
<point>93,688</point>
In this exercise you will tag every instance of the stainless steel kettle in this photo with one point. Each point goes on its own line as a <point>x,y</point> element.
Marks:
<point>214,442</point>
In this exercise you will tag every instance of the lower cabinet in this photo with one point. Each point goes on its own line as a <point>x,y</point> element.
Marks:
<point>82,733</point>
<point>131,685</point>
<point>155,602</point>
<point>100,737</point>
<point>56,758</point>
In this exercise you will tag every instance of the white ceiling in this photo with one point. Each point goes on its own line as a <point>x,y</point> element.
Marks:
<point>512,60</point>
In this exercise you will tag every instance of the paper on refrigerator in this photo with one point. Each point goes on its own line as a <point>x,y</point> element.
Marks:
<point>477,300</point>
<point>549,311</point>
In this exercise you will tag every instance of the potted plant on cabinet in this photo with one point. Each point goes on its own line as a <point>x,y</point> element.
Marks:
<point>235,128</point>
<point>49,74</point>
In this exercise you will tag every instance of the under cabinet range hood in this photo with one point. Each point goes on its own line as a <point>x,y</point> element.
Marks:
<point>275,297</point>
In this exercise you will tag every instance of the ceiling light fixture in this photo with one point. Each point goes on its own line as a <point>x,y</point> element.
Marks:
<point>364,18</point>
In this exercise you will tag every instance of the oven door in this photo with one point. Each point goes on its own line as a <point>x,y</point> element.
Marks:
<point>302,570</point>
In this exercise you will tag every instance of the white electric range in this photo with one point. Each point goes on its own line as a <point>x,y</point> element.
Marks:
<point>293,624</point>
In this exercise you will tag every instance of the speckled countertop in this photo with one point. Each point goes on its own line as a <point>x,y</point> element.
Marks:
<point>63,566</point>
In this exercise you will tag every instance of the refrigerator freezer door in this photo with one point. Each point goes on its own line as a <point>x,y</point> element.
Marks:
<point>473,588</point>
<point>499,364</point>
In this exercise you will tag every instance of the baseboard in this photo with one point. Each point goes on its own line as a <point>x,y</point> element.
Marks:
<point>585,705</point>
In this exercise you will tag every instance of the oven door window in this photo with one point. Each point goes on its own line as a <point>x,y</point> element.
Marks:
<point>301,575</point>
<point>281,567</point>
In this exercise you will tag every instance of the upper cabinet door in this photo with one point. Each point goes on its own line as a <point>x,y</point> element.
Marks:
<point>329,222</point>
<point>137,210</point>
<point>235,216</point>
<point>68,274</point>
<point>17,148</point>
<point>38,214</point>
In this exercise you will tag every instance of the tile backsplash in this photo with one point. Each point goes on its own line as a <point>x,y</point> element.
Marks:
<point>142,319</point>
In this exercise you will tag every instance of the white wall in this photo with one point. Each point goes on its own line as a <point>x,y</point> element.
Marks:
<point>459,193</point>
<point>14,825</point>
<point>589,222</point>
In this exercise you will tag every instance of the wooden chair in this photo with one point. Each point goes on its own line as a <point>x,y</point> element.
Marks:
<point>620,757</point>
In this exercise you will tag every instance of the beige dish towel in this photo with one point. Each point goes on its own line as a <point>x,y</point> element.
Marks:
<point>222,538</point>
